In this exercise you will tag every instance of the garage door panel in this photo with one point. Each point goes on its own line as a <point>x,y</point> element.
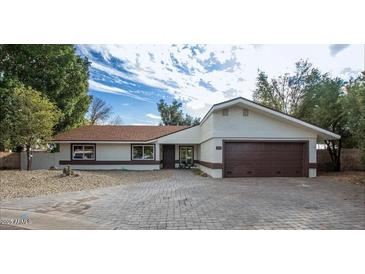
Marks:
<point>266,159</point>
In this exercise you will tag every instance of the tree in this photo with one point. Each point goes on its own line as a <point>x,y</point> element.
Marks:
<point>30,118</point>
<point>190,120</point>
<point>314,97</point>
<point>355,106</point>
<point>7,102</point>
<point>99,111</point>
<point>173,115</point>
<point>54,70</point>
<point>325,106</point>
<point>286,92</point>
<point>117,120</point>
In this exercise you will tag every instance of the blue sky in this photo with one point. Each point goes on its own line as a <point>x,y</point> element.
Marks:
<point>133,78</point>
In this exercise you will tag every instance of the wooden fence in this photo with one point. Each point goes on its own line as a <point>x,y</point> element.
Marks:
<point>9,160</point>
<point>350,160</point>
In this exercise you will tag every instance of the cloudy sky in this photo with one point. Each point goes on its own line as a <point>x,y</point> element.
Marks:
<point>133,78</point>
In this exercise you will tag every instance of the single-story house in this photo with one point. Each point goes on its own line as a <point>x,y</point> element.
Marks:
<point>236,138</point>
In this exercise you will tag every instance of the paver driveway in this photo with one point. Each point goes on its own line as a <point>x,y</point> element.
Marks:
<point>187,201</point>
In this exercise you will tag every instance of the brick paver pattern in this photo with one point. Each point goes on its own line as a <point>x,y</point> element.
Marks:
<point>187,201</point>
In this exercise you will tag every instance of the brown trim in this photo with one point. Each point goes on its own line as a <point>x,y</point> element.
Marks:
<point>305,151</point>
<point>82,144</point>
<point>209,164</point>
<point>92,162</point>
<point>312,165</point>
<point>192,146</point>
<point>154,151</point>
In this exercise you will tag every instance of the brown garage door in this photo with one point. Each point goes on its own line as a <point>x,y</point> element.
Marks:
<point>264,159</point>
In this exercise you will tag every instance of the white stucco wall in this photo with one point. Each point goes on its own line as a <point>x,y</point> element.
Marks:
<point>255,125</point>
<point>258,125</point>
<point>206,129</point>
<point>208,151</point>
<point>187,136</point>
<point>104,152</point>
<point>214,173</point>
<point>312,150</point>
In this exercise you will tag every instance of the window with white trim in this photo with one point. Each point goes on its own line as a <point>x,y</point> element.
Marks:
<point>186,155</point>
<point>83,152</point>
<point>143,152</point>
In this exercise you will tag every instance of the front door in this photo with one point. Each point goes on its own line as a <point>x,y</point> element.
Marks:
<point>169,156</point>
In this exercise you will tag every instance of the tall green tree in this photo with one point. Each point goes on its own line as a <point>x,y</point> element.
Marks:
<point>54,70</point>
<point>355,107</point>
<point>7,101</point>
<point>30,118</point>
<point>325,106</point>
<point>311,96</point>
<point>173,115</point>
<point>286,92</point>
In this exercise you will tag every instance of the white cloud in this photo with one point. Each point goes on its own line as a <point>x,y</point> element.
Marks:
<point>161,70</point>
<point>153,116</point>
<point>237,80</point>
<point>109,89</point>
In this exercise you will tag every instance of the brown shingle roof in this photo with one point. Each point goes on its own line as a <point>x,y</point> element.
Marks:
<point>116,133</point>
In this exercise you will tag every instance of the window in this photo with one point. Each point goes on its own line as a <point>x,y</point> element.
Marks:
<point>245,112</point>
<point>83,152</point>
<point>143,152</point>
<point>186,156</point>
<point>225,112</point>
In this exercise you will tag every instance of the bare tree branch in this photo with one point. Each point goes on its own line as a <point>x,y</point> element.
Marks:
<point>99,111</point>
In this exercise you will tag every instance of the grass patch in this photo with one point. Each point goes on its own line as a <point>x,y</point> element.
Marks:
<point>197,171</point>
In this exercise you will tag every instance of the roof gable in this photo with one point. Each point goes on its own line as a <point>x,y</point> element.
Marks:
<point>277,114</point>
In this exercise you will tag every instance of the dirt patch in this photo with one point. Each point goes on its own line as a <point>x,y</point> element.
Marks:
<point>354,177</point>
<point>14,183</point>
